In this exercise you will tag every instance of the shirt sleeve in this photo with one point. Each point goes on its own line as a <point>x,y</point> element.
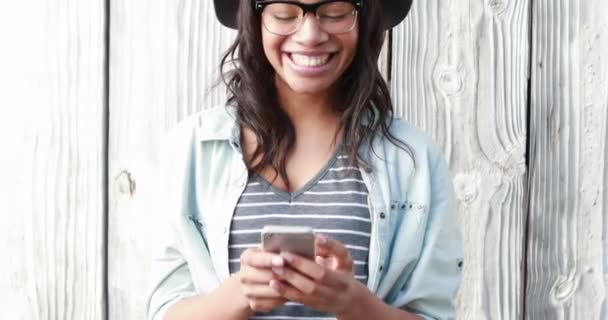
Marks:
<point>434,282</point>
<point>172,281</point>
<point>171,278</point>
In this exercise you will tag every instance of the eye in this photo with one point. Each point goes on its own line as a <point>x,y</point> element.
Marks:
<point>333,16</point>
<point>335,11</point>
<point>284,17</point>
<point>283,12</point>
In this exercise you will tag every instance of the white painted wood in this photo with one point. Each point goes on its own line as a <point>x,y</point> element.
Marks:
<point>460,72</point>
<point>565,270</point>
<point>52,179</point>
<point>165,57</point>
<point>604,312</point>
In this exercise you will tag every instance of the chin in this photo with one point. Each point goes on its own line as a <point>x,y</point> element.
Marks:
<point>306,86</point>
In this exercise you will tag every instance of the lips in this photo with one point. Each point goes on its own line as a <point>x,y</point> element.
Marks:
<point>310,65</point>
<point>310,60</point>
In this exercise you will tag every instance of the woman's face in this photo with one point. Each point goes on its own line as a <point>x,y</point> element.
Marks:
<point>310,60</point>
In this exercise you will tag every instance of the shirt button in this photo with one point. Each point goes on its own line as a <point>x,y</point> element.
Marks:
<point>225,230</point>
<point>381,267</point>
<point>382,215</point>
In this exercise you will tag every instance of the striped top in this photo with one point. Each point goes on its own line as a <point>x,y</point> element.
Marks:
<point>333,203</point>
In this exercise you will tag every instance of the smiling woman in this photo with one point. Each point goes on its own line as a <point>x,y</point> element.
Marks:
<point>307,138</point>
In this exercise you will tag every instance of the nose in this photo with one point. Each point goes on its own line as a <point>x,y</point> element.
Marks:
<point>310,32</point>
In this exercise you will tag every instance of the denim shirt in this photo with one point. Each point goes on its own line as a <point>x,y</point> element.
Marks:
<point>415,252</point>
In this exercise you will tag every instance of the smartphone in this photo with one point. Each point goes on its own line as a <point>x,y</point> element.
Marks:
<point>294,239</point>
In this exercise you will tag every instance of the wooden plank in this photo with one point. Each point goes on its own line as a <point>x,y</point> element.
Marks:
<point>52,187</point>
<point>604,312</point>
<point>460,72</point>
<point>165,57</point>
<point>568,140</point>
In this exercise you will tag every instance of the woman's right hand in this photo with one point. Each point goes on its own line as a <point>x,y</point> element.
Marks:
<point>255,276</point>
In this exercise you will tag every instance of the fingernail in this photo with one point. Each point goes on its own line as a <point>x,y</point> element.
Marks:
<point>275,285</point>
<point>277,261</point>
<point>287,256</point>
<point>322,239</point>
<point>278,270</point>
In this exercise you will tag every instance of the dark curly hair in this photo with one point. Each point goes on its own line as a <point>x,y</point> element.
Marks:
<point>361,92</point>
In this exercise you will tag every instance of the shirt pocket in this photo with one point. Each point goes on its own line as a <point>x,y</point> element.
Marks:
<point>408,232</point>
<point>412,216</point>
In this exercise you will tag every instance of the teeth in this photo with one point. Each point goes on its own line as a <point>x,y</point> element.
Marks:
<point>309,61</point>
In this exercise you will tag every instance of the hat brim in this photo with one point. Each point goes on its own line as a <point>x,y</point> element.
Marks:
<point>395,10</point>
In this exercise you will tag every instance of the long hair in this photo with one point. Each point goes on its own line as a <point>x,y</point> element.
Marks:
<point>365,106</point>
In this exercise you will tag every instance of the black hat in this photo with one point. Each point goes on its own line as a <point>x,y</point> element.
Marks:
<point>395,11</point>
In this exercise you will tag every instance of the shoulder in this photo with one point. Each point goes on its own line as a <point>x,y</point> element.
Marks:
<point>422,146</point>
<point>416,164</point>
<point>215,123</point>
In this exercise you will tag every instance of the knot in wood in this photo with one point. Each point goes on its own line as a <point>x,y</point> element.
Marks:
<point>125,184</point>
<point>451,81</point>
<point>466,187</point>
<point>564,288</point>
<point>498,6</point>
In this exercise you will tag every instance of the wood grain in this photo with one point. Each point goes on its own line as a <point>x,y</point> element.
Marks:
<point>566,278</point>
<point>460,72</point>
<point>604,312</point>
<point>165,58</point>
<point>52,187</point>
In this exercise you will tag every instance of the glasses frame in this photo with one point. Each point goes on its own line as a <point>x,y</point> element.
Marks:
<point>259,5</point>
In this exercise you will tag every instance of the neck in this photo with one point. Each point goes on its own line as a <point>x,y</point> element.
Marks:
<point>308,112</point>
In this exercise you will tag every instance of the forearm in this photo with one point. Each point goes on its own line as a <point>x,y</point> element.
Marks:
<point>222,303</point>
<point>368,306</point>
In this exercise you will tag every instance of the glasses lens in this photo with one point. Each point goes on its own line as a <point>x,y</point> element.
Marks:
<point>337,17</point>
<point>281,18</point>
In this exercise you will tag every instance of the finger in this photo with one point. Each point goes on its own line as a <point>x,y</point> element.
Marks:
<point>308,285</point>
<point>260,259</point>
<point>291,293</point>
<point>300,282</point>
<point>265,305</point>
<point>332,248</point>
<point>256,291</point>
<point>303,265</point>
<point>325,262</point>
<point>251,275</point>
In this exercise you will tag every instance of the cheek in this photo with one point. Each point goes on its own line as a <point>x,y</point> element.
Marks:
<point>271,49</point>
<point>350,47</point>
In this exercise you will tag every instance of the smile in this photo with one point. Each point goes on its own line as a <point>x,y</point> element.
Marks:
<point>310,61</point>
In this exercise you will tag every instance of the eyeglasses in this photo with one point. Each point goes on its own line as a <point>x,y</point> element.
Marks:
<point>286,17</point>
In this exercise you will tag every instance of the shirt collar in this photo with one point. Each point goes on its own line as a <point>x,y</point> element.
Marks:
<point>221,126</point>
<point>224,126</point>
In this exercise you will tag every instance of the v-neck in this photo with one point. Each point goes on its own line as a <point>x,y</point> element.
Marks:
<point>290,196</point>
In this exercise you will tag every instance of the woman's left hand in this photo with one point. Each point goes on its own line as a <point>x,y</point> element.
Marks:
<point>328,286</point>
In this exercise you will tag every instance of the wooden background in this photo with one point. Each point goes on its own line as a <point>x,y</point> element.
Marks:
<point>516,92</point>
